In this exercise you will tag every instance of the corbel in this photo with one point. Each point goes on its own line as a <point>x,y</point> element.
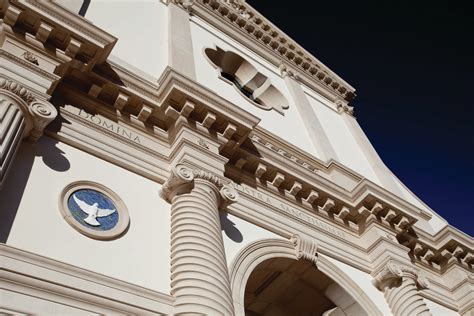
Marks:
<point>43,32</point>
<point>94,91</point>
<point>261,169</point>
<point>121,101</point>
<point>209,119</point>
<point>278,179</point>
<point>312,196</point>
<point>145,113</point>
<point>296,188</point>
<point>229,130</point>
<point>188,108</point>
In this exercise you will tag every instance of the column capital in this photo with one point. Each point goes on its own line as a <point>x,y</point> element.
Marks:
<point>181,179</point>
<point>393,273</point>
<point>38,113</point>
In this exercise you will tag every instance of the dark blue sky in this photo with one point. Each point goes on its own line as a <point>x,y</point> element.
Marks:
<point>412,63</point>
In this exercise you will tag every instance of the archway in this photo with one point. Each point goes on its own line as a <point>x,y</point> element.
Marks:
<point>272,277</point>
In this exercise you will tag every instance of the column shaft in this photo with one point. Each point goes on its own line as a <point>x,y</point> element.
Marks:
<point>12,126</point>
<point>199,275</point>
<point>405,300</point>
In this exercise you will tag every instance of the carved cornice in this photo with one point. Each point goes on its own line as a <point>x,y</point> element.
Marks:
<point>252,25</point>
<point>343,107</point>
<point>392,273</point>
<point>305,248</point>
<point>181,177</point>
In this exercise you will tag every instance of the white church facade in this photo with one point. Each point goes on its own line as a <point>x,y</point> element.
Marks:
<point>186,157</point>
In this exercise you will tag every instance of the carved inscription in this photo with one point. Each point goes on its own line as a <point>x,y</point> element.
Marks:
<point>110,125</point>
<point>287,209</point>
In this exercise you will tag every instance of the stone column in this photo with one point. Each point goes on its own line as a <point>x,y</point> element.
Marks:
<point>21,116</point>
<point>401,285</point>
<point>199,275</point>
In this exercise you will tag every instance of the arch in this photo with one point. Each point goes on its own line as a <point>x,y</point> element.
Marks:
<point>261,250</point>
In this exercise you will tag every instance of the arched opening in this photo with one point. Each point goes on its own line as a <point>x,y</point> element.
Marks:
<point>284,286</point>
<point>271,259</point>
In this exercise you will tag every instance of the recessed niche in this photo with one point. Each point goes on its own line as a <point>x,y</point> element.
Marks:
<point>252,84</point>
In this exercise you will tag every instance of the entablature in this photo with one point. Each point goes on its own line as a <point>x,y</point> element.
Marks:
<point>51,26</point>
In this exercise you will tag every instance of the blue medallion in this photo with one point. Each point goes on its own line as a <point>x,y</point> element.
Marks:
<point>93,209</point>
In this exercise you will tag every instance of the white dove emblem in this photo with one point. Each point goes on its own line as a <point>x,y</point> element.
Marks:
<point>92,211</point>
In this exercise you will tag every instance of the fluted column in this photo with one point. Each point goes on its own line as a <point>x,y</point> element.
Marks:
<point>199,275</point>
<point>21,116</point>
<point>401,285</point>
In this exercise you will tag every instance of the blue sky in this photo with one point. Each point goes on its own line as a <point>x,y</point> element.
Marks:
<point>412,63</point>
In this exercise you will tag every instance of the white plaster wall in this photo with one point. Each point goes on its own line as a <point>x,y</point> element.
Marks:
<point>439,310</point>
<point>140,257</point>
<point>238,233</point>
<point>141,27</point>
<point>289,127</point>
<point>364,281</point>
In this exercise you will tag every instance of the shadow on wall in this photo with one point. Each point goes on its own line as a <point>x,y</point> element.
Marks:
<point>12,192</point>
<point>229,228</point>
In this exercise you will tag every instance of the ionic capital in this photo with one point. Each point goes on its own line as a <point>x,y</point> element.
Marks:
<point>392,274</point>
<point>305,248</point>
<point>42,113</point>
<point>38,113</point>
<point>181,179</point>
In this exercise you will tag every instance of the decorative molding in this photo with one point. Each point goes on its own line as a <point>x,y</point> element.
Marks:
<point>251,24</point>
<point>305,248</point>
<point>262,250</point>
<point>42,113</point>
<point>30,57</point>
<point>343,107</point>
<point>392,273</point>
<point>77,287</point>
<point>123,217</point>
<point>17,89</point>
<point>181,177</point>
<point>401,284</point>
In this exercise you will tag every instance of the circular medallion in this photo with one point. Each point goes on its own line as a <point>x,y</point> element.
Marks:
<point>94,210</point>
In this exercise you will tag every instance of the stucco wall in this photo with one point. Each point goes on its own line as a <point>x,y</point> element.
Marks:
<point>288,126</point>
<point>141,27</point>
<point>238,233</point>
<point>30,207</point>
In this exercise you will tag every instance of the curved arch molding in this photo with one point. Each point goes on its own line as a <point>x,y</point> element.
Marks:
<point>261,250</point>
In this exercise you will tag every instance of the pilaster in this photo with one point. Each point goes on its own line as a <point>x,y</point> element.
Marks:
<point>313,125</point>
<point>181,56</point>
<point>197,247</point>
